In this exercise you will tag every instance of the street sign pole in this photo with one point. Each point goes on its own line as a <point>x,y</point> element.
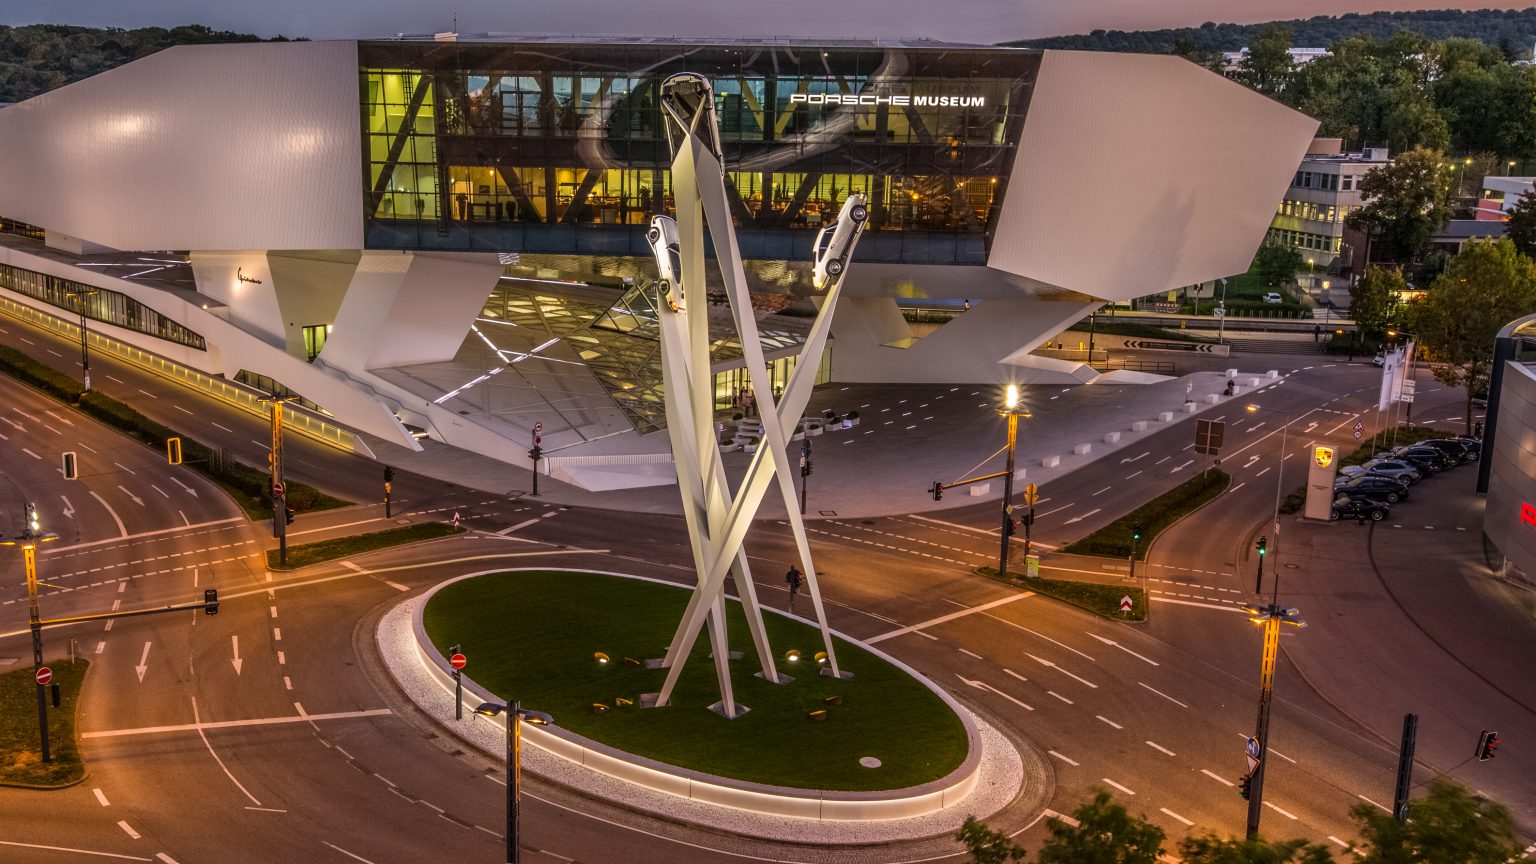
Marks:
<point>805,470</point>
<point>1031,495</point>
<point>458,662</point>
<point>29,554</point>
<point>1405,768</point>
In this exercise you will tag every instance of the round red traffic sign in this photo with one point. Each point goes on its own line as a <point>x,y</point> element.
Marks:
<point>277,490</point>
<point>458,661</point>
<point>44,675</point>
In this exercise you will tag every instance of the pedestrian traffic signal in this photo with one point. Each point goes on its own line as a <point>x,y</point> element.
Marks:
<point>173,450</point>
<point>536,453</point>
<point>1136,531</point>
<point>1245,787</point>
<point>1487,744</point>
<point>290,516</point>
<point>210,601</point>
<point>809,467</point>
<point>389,474</point>
<point>936,490</point>
<point>71,465</point>
<point>1263,546</point>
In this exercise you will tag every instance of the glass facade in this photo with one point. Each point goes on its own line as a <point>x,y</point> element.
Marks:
<point>560,147</point>
<point>108,307</point>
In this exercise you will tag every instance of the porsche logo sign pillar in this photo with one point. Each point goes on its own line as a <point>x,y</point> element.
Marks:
<point>1320,473</point>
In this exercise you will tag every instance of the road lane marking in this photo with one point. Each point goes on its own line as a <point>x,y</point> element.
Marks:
<point>1236,609</point>
<point>122,530</point>
<point>1176,816</point>
<point>190,490</point>
<point>277,634</point>
<point>982,685</point>
<point>128,829</point>
<point>1122,648</point>
<point>1117,786</point>
<point>970,653</point>
<point>225,428</point>
<point>100,647</point>
<point>1130,476</point>
<point>336,527</point>
<point>1082,517</point>
<point>1369,801</point>
<point>346,853</point>
<point>30,453</point>
<point>1109,721</point>
<point>1061,697</point>
<point>101,796</point>
<point>158,489</point>
<point>183,410</point>
<point>524,524</point>
<point>1162,694</point>
<point>1014,674</point>
<point>143,662</point>
<point>1052,664</point>
<point>1160,748</point>
<point>1341,843</point>
<point>1040,635</point>
<point>147,393</point>
<point>1057,510</point>
<point>1217,777</point>
<point>199,726</point>
<point>950,617</point>
<point>168,859</point>
<point>1062,758</point>
<point>1100,492</point>
<point>1284,813</point>
<point>74,851</point>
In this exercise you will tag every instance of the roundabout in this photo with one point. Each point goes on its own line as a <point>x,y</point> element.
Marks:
<point>892,757</point>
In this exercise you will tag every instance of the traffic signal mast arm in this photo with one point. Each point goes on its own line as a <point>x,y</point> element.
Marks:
<point>938,488</point>
<point>209,606</point>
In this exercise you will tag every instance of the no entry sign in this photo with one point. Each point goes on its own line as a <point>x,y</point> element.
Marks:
<point>458,661</point>
<point>44,675</point>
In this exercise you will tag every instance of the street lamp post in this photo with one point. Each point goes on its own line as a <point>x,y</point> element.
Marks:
<point>85,351</point>
<point>1285,430</point>
<point>1221,316</point>
<point>1011,411</point>
<point>32,534</point>
<point>1270,617</point>
<point>514,725</point>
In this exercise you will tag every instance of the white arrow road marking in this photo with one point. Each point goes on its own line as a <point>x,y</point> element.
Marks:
<point>1310,427</point>
<point>121,530</point>
<point>1044,662</point>
<point>1134,458</point>
<point>981,685</point>
<point>234,642</point>
<point>1182,467</point>
<point>1081,518</point>
<point>143,663</point>
<point>190,490</point>
<point>1123,648</point>
<point>69,509</point>
<point>1251,459</point>
<point>64,420</point>
<point>1253,428</point>
<point>136,499</point>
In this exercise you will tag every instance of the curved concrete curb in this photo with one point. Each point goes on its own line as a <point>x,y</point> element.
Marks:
<point>988,780</point>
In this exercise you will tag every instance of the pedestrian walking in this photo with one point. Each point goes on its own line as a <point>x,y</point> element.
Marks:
<point>792,578</point>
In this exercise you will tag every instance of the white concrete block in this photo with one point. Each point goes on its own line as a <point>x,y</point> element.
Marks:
<point>1083,449</point>
<point>1231,373</point>
<point>1165,417</point>
<point>1273,374</point>
<point>1050,462</point>
<point>1019,474</point>
<point>979,489</point>
<point>1139,426</point>
<point>1210,399</point>
<point>1192,407</point>
<point>1111,437</point>
<point>1254,382</point>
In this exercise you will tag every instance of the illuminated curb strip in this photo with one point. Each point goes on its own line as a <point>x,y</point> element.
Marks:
<point>991,762</point>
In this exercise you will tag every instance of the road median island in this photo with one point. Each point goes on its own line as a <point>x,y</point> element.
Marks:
<point>249,487</point>
<point>1114,540</point>
<point>1100,598</point>
<point>21,761</point>
<point>345,547</point>
<point>1297,498</point>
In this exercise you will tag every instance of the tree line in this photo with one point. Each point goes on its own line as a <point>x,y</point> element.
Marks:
<point>37,58</point>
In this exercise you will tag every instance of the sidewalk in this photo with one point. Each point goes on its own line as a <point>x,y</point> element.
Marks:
<point>908,437</point>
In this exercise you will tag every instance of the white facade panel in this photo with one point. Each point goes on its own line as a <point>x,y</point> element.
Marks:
<point>253,146</point>
<point>1138,173</point>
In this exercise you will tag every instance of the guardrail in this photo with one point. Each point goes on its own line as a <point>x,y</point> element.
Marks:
<point>237,395</point>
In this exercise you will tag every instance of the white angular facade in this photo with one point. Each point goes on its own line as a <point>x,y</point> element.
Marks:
<point>360,202</point>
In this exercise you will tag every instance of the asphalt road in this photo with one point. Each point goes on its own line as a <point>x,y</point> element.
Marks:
<point>315,756</point>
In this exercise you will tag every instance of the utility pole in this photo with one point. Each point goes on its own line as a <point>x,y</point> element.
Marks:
<point>805,469</point>
<point>85,351</point>
<point>32,534</point>
<point>279,489</point>
<point>1010,411</point>
<point>1405,768</point>
<point>536,453</point>
<point>1270,617</point>
<point>1221,316</point>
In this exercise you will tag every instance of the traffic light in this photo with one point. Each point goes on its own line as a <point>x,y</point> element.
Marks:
<point>1263,546</point>
<point>1487,744</point>
<point>1136,531</point>
<point>1011,526</point>
<point>389,474</point>
<point>809,467</point>
<point>71,465</point>
<point>937,491</point>
<point>290,516</point>
<point>271,462</point>
<point>34,521</point>
<point>536,453</point>
<point>1245,787</point>
<point>173,450</point>
<point>210,601</point>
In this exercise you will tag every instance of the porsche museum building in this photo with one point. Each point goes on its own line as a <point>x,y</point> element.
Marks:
<point>435,237</point>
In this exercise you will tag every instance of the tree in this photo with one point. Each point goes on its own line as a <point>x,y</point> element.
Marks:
<point>1213,850</point>
<point>1267,66</point>
<point>1448,824</point>
<point>1486,286</point>
<point>1522,225</point>
<point>985,845</point>
<point>1405,203</point>
<point>1373,299</point>
<point>1105,834</point>
<point>1277,265</point>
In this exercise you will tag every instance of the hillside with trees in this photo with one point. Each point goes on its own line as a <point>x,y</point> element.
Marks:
<point>1513,32</point>
<point>40,57</point>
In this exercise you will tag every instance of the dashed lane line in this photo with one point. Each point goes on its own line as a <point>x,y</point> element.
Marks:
<point>876,544</point>
<point>1118,786</point>
<point>1217,777</point>
<point>1062,758</point>
<point>1109,721</point>
<point>1162,694</point>
<point>1168,812</point>
<point>942,619</point>
<point>1286,813</point>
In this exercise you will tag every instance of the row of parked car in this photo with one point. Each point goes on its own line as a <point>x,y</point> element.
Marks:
<point>1368,491</point>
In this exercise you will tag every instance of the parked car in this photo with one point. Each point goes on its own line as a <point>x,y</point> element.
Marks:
<point>1379,360</point>
<point>1474,446</point>
<point>1394,468</point>
<point>1371,486</point>
<point>1451,448</point>
<point>1273,297</point>
<point>1427,459</point>
<point>1359,508</point>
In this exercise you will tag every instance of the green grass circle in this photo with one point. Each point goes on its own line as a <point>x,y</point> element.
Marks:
<point>531,635</point>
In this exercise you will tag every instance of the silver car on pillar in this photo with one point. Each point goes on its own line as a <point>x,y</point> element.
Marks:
<point>834,243</point>
<point>662,237</point>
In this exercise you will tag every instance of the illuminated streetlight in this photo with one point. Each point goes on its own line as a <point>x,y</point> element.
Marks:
<point>1011,411</point>
<point>514,722</point>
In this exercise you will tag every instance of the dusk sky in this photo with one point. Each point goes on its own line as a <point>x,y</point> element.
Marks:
<point>957,20</point>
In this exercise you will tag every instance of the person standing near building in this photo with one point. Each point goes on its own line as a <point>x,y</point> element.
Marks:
<point>792,579</point>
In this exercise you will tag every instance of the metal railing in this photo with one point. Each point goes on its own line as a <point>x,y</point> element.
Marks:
<point>239,396</point>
